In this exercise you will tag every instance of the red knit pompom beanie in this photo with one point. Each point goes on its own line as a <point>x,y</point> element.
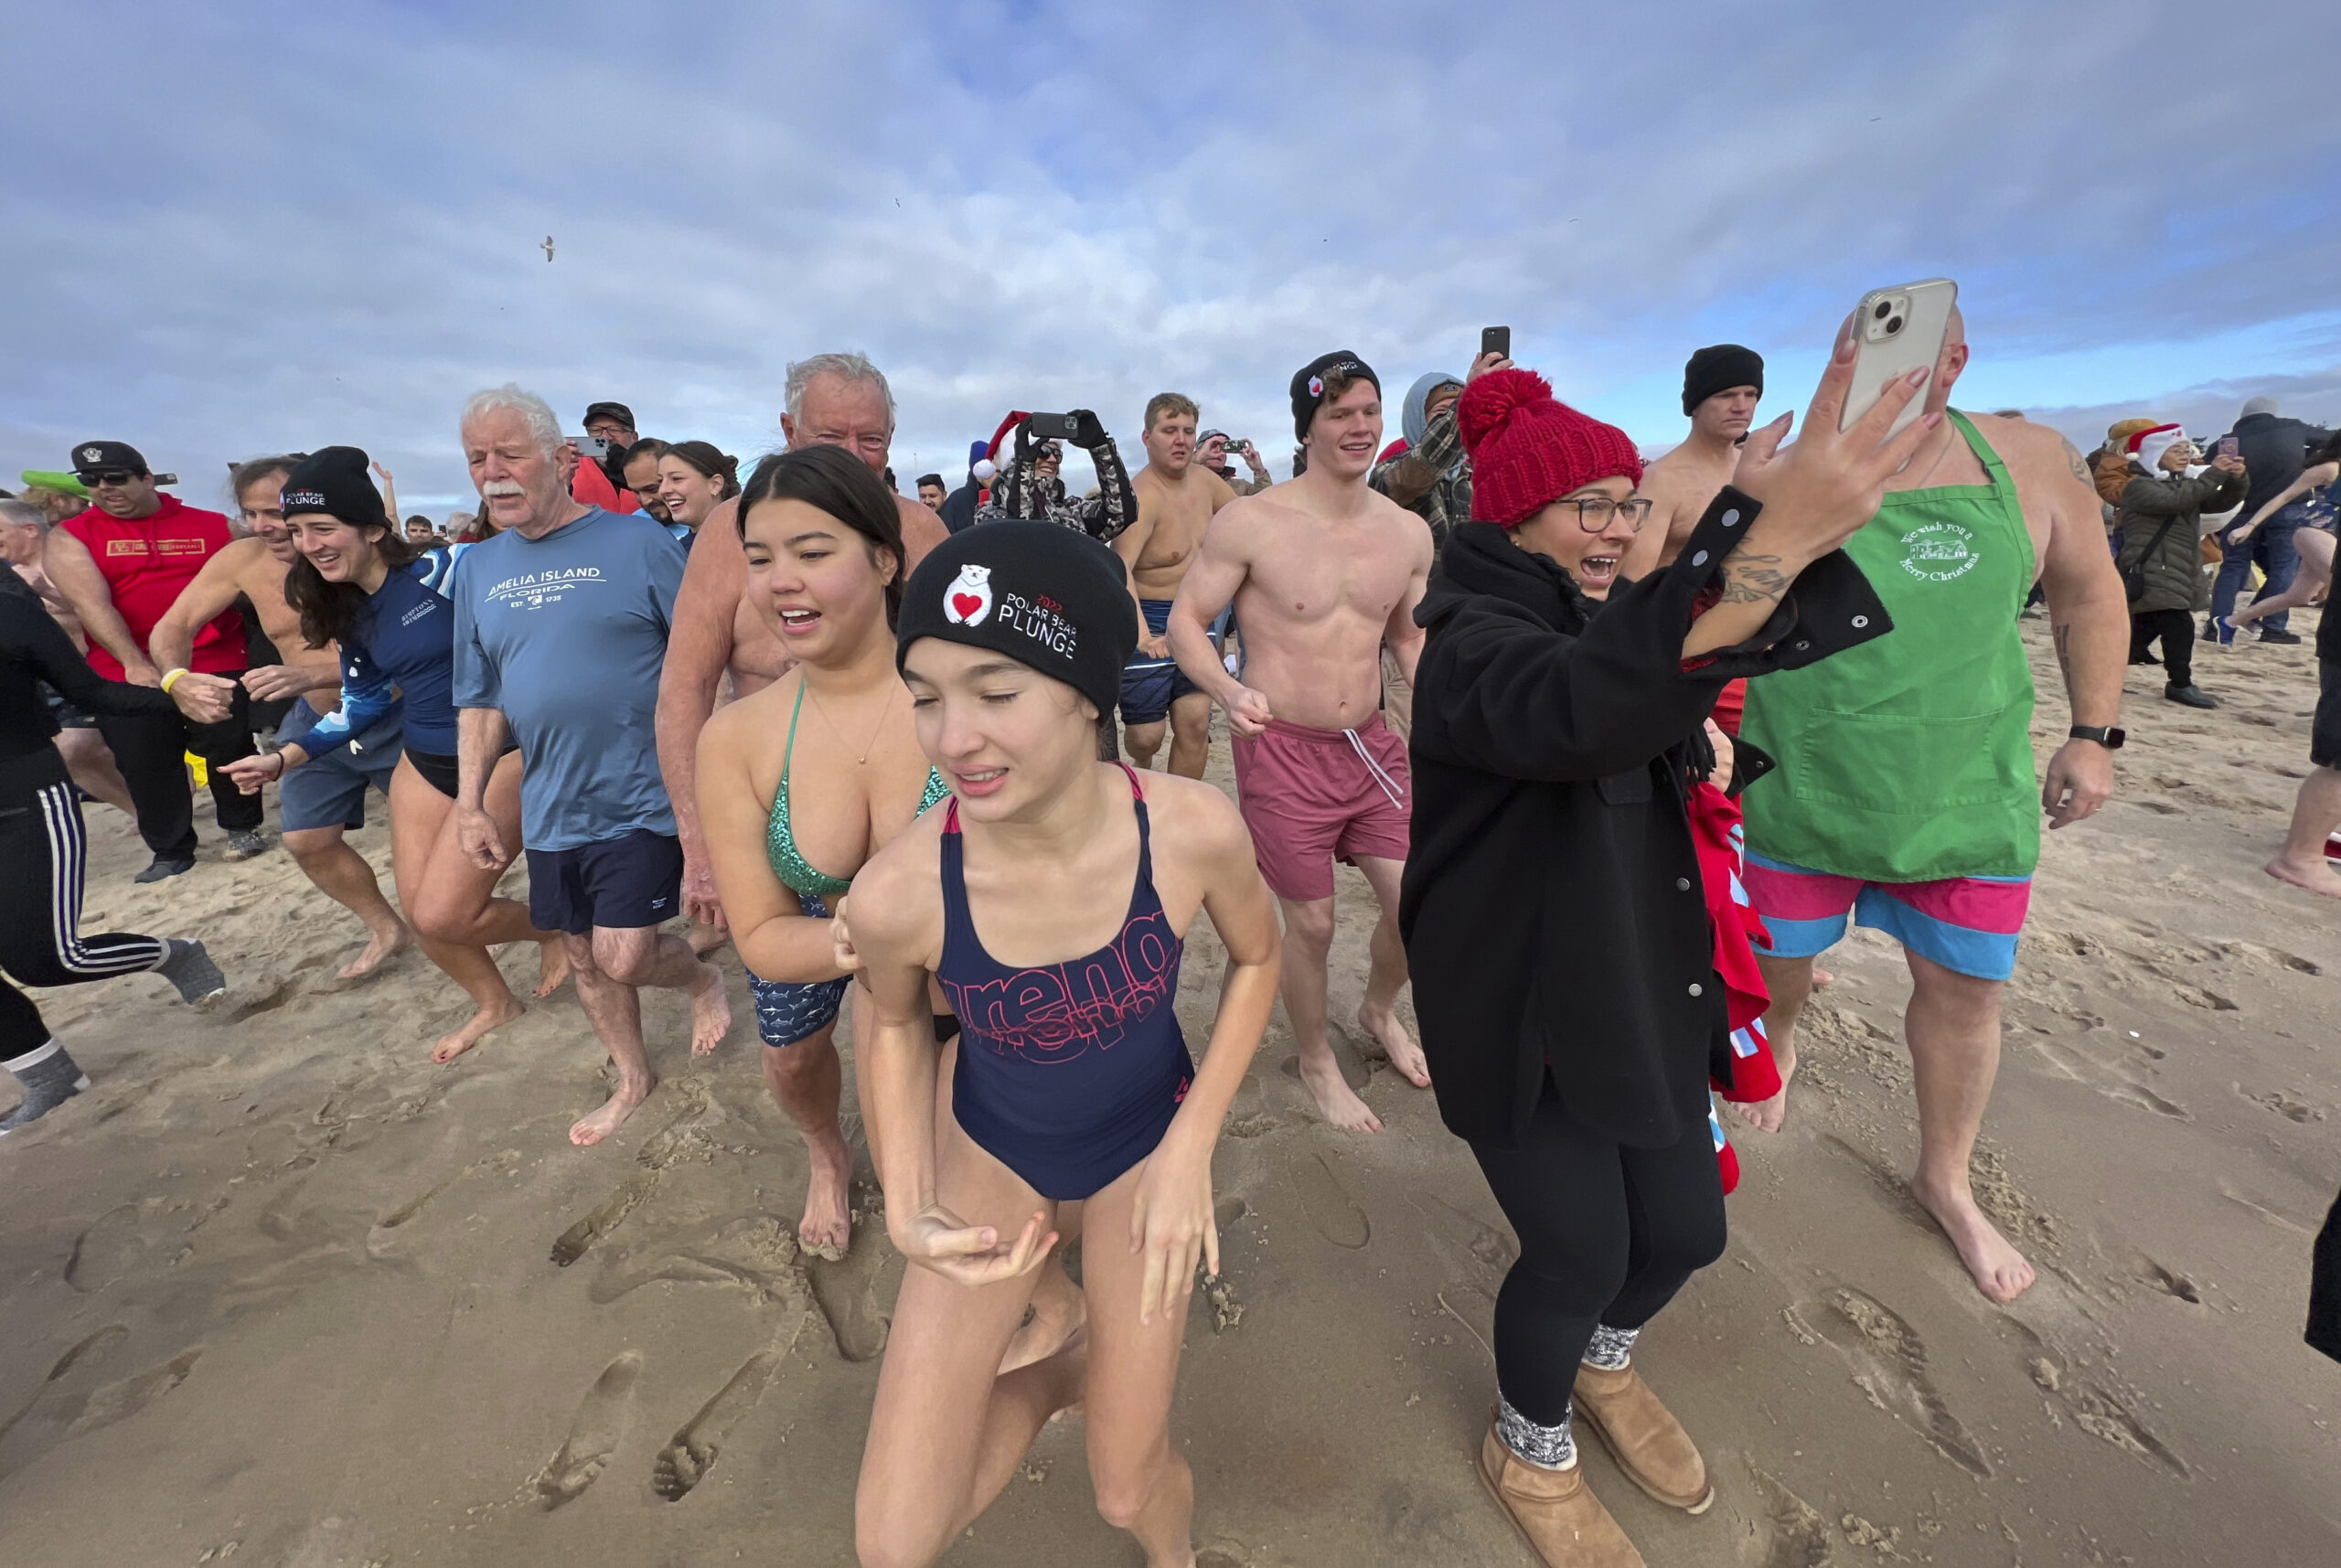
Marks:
<point>1528,449</point>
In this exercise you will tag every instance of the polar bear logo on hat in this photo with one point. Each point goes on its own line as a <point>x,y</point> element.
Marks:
<point>968,601</point>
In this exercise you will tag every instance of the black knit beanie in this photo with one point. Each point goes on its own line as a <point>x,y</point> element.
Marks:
<point>334,480</point>
<point>1044,595</point>
<point>1309,384</point>
<point>1718,368</point>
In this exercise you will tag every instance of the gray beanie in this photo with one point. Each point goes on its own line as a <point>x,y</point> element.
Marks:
<point>2258,406</point>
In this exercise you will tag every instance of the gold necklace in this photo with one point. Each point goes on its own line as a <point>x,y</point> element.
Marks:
<point>886,707</point>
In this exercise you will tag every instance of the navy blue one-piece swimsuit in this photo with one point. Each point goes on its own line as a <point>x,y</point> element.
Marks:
<point>1069,1074</point>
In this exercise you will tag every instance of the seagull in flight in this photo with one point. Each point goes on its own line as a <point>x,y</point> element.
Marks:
<point>547,247</point>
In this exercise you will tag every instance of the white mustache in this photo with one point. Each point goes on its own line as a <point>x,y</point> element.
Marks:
<point>503,487</point>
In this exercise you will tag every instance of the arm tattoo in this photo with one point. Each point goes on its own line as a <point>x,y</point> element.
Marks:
<point>2080,466</point>
<point>1754,578</point>
<point>2063,635</point>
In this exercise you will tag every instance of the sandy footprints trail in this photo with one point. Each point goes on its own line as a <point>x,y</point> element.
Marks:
<point>1889,1362</point>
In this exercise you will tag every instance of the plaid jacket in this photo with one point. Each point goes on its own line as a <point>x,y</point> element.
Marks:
<point>1446,500</point>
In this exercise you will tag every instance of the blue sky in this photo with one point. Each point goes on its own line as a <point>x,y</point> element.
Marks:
<point>242,227</point>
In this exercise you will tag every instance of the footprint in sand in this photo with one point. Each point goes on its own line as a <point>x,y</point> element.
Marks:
<point>1890,1364</point>
<point>88,1353</point>
<point>577,1241</point>
<point>600,1426</point>
<point>2097,1408</point>
<point>1328,1203</point>
<point>846,1293</point>
<point>1793,1532</point>
<point>105,1252</point>
<point>120,1402</point>
<point>2177,1286</point>
<point>757,1252</point>
<point>684,1462</point>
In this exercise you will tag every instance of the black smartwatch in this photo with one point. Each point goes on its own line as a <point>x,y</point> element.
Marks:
<point>2110,736</point>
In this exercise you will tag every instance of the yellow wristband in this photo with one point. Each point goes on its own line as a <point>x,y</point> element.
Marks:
<point>172,677</point>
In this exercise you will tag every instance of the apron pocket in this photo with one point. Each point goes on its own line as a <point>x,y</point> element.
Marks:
<point>1900,765</point>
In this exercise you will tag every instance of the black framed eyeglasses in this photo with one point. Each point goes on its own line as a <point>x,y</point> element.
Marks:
<point>1594,512</point>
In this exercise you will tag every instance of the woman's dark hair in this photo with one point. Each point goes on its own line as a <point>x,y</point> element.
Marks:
<point>710,463</point>
<point>834,481</point>
<point>2327,451</point>
<point>329,609</point>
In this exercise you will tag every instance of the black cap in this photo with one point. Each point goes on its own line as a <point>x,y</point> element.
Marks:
<point>618,411</point>
<point>101,456</point>
<point>333,480</point>
<point>1048,597</point>
<point>1718,368</point>
<point>1308,386</point>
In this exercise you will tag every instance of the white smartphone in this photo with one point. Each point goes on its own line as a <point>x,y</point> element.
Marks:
<point>1896,331</point>
<point>592,446</point>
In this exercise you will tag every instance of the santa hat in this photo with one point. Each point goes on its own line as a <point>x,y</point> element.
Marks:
<point>2147,446</point>
<point>988,468</point>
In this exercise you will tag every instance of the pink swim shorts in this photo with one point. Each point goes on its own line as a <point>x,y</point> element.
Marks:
<point>1312,796</point>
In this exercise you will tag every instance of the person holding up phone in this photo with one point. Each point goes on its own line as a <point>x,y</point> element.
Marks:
<point>1564,728</point>
<point>1910,803</point>
<point>2163,508</point>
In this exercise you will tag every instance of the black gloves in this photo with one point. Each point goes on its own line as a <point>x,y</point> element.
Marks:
<point>1087,432</point>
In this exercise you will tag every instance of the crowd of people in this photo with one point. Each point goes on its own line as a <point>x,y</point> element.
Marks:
<point>899,752</point>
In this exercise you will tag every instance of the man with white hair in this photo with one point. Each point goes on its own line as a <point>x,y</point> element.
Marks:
<point>560,627</point>
<point>832,399</point>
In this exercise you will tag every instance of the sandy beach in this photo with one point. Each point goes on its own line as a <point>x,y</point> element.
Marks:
<point>280,1291</point>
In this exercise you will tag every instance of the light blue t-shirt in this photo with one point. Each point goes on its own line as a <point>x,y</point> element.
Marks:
<point>566,635</point>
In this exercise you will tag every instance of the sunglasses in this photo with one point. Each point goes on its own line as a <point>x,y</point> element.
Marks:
<point>115,476</point>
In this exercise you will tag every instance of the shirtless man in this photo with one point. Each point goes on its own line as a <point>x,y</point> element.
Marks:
<point>319,801</point>
<point>1721,387</point>
<point>833,400</point>
<point>1916,813</point>
<point>1324,573</point>
<point>1176,500</point>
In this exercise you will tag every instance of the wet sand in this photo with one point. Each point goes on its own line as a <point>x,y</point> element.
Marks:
<point>278,1291</point>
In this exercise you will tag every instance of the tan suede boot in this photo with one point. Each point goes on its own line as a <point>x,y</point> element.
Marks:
<point>1554,1511</point>
<point>1645,1439</point>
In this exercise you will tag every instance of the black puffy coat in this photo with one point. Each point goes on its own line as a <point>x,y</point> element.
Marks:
<point>1551,907</point>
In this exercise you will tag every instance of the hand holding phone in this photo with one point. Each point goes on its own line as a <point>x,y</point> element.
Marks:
<point>1051,427</point>
<point>1897,331</point>
<point>2230,446</point>
<point>1495,340</point>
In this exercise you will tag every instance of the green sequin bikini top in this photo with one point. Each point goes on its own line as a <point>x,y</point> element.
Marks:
<point>780,845</point>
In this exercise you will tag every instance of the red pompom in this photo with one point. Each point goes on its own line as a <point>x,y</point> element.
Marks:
<point>1488,401</point>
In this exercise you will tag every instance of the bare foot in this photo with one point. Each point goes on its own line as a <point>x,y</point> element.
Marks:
<point>2320,877</point>
<point>592,1129</point>
<point>1334,1096</point>
<point>1999,1271</point>
<point>706,939</point>
<point>1823,977</point>
<point>454,1045</point>
<point>710,1012</point>
<point>378,951</point>
<point>1060,1311</point>
<point>1768,1116</point>
<point>827,1229</point>
<point>552,967</point>
<point>1396,1043</point>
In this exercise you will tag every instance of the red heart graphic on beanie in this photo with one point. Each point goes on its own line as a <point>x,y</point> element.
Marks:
<point>966,603</point>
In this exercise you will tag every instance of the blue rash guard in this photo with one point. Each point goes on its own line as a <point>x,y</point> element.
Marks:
<point>400,654</point>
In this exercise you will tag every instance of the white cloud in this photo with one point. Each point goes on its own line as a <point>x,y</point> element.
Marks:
<point>291,225</point>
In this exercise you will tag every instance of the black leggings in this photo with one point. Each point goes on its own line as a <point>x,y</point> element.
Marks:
<point>2177,630</point>
<point>1608,1234</point>
<point>151,750</point>
<point>42,852</point>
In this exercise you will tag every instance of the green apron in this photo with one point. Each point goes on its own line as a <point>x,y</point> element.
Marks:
<point>1909,758</point>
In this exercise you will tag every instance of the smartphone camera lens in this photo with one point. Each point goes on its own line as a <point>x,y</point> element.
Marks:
<point>1885,308</point>
<point>1894,325</point>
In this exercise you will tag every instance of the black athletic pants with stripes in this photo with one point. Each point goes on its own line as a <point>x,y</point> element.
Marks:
<point>151,750</point>
<point>43,853</point>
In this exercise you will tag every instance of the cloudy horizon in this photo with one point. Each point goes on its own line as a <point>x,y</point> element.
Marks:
<point>282,226</point>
